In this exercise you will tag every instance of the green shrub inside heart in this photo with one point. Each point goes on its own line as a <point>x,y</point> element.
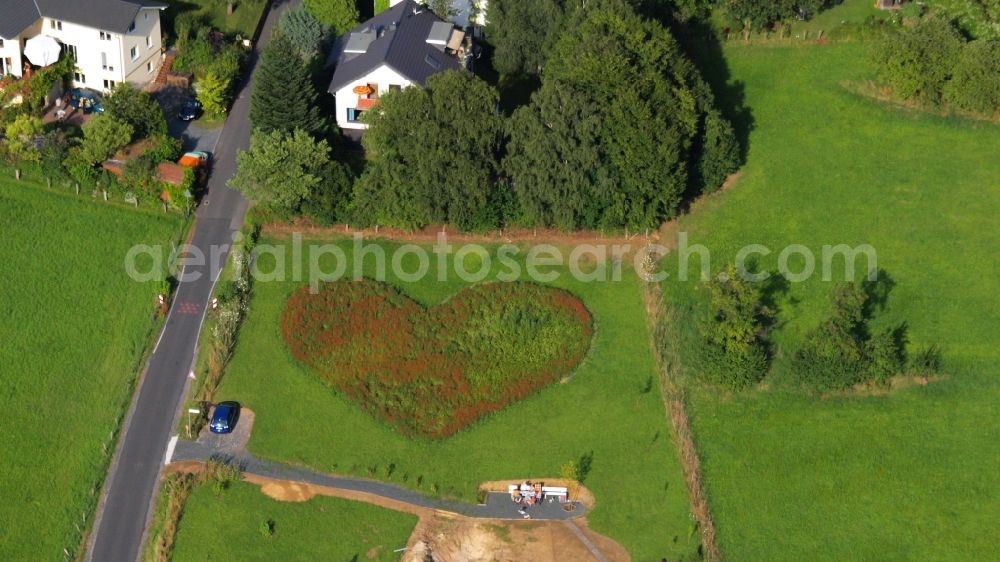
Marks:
<point>434,370</point>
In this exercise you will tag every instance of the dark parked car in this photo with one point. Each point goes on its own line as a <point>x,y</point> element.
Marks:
<point>190,110</point>
<point>225,417</point>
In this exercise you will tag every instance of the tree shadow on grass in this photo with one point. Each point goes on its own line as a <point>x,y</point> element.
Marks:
<point>704,47</point>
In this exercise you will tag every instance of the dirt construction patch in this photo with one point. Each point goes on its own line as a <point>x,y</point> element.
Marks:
<point>465,540</point>
<point>448,537</point>
<point>288,491</point>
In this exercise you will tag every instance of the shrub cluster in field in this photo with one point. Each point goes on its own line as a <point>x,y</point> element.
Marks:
<point>932,62</point>
<point>431,371</point>
<point>721,337</point>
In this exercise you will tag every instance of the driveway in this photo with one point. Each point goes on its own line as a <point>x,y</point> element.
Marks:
<point>193,134</point>
<point>227,444</point>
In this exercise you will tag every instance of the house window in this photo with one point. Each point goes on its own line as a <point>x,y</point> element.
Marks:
<point>109,84</point>
<point>1,43</point>
<point>71,50</point>
<point>79,77</point>
<point>105,36</point>
<point>104,63</point>
<point>131,27</point>
<point>134,52</point>
<point>395,87</point>
<point>149,67</point>
<point>149,42</point>
<point>354,115</point>
<point>55,24</point>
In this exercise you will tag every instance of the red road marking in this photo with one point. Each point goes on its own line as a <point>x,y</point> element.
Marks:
<point>188,308</point>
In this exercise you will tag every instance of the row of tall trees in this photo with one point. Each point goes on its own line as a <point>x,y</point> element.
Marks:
<point>622,128</point>
<point>290,168</point>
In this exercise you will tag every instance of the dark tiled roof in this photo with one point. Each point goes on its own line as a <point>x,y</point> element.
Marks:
<point>16,16</point>
<point>110,15</point>
<point>402,46</point>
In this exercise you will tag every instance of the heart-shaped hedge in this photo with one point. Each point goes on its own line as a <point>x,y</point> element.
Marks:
<point>434,370</point>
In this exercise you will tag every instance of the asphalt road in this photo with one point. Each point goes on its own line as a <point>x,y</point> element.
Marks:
<point>127,497</point>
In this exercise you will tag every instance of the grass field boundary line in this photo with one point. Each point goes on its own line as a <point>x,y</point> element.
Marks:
<point>29,183</point>
<point>430,234</point>
<point>680,425</point>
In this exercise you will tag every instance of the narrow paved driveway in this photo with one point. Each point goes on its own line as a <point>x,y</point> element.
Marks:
<point>497,506</point>
<point>126,500</point>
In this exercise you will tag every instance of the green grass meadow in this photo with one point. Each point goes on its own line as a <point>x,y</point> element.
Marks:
<point>243,21</point>
<point>73,326</point>
<point>228,527</point>
<point>906,476</point>
<point>610,410</point>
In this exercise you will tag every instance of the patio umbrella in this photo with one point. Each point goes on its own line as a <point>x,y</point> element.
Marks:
<point>42,50</point>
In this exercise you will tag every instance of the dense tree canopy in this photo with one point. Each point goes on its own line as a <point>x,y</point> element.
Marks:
<point>21,134</point>
<point>341,15</point>
<point>718,149</point>
<point>213,93</point>
<point>281,170</point>
<point>647,108</point>
<point>554,158</point>
<point>760,14</point>
<point>303,30</point>
<point>917,62</point>
<point>284,98</point>
<point>975,82</point>
<point>103,135</point>
<point>138,109</point>
<point>432,156</point>
<point>445,9</point>
<point>519,30</point>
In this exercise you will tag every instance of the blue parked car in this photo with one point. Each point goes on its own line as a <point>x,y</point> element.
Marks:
<point>225,417</point>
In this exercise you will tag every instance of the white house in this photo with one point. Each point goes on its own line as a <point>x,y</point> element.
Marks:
<point>467,12</point>
<point>112,41</point>
<point>398,48</point>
